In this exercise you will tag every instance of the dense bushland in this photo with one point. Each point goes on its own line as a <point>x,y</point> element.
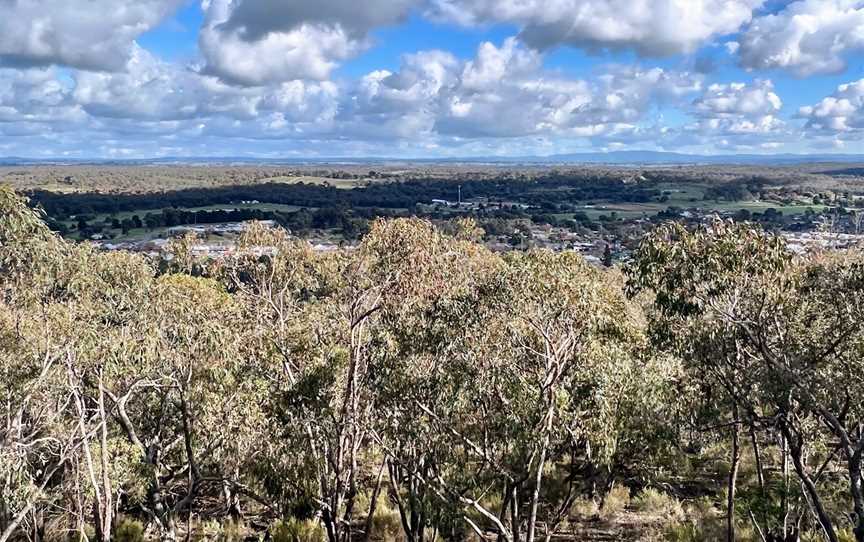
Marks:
<point>422,387</point>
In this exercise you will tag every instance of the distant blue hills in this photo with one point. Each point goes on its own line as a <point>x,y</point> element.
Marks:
<point>621,158</point>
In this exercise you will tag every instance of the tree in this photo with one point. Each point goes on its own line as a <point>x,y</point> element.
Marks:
<point>607,256</point>
<point>775,332</point>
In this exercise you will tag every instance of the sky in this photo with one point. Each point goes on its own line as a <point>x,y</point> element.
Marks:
<point>428,78</point>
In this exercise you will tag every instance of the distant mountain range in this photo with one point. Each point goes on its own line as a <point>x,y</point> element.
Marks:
<point>623,158</point>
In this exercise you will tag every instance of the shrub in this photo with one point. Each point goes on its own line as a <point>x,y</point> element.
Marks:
<point>654,502</point>
<point>584,508</point>
<point>232,531</point>
<point>386,526</point>
<point>129,530</point>
<point>294,530</point>
<point>615,502</point>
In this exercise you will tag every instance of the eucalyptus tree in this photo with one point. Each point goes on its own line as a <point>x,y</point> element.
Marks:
<point>780,335</point>
<point>504,360</point>
<point>697,279</point>
<point>277,280</point>
<point>38,440</point>
<point>317,318</point>
<point>120,390</point>
<point>56,295</point>
<point>441,281</point>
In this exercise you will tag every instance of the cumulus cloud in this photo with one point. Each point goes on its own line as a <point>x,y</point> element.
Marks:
<point>738,116</point>
<point>739,99</point>
<point>258,42</point>
<point>257,18</point>
<point>434,100</point>
<point>161,92</point>
<point>808,37</point>
<point>650,27</point>
<point>153,100</point>
<point>403,104</point>
<point>841,114</point>
<point>504,92</point>
<point>34,96</point>
<point>147,89</point>
<point>94,35</point>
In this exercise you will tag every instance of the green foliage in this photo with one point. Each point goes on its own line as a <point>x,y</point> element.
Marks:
<point>425,369</point>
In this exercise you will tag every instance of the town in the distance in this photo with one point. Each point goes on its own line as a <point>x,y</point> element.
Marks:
<point>598,210</point>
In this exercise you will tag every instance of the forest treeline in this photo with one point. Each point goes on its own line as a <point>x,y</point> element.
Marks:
<point>546,192</point>
<point>462,394</point>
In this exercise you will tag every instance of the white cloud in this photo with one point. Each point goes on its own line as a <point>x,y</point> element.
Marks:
<point>650,27</point>
<point>96,34</point>
<point>737,116</point>
<point>259,42</point>
<point>808,37</point>
<point>31,98</point>
<point>257,18</point>
<point>147,89</point>
<point>433,101</point>
<point>404,104</point>
<point>739,99</point>
<point>841,114</point>
<point>153,100</point>
<point>503,92</point>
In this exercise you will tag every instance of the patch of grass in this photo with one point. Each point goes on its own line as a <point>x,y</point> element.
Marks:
<point>307,179</point>
<point>387,526</point>
<point>616,501</point>
<point>295,530</point>
<point>233,531</point>
<point>129,530</point>
<point>656,503</point>
<point>584,508</point>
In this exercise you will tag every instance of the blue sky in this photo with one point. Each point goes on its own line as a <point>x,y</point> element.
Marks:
<point>426,78</point>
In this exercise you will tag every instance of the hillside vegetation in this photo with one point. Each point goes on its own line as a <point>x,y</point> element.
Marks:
<point>421,387</point>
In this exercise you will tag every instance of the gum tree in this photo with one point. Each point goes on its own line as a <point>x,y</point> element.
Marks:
<point>779,335</point>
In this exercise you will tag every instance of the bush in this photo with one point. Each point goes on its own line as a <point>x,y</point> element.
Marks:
<point>615,502</point>
<point>129,530</point>
<point>387,526</point>
<point>656,503</point>
<point>294,530</point>
<point>232,531</point>
<point>584,508</point>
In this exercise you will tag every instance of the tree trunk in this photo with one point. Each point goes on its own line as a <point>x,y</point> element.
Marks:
<point>733,479</point>
<point>784,450</point>
<point>373,503</point>
<point>505,508</point>
<point>757,456</point>
<point>821,515</point>
<point>857,492</point>
<point>16,520</point>
<point>515,521</point>
<point>538,480</point>
<point>107,493</point>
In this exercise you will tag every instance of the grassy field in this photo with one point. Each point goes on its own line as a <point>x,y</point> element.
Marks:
<point>143,234</point>
<point>227,207</point>
<point>344,184</point>
<point>685,196</point>
<point>646,210</point>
